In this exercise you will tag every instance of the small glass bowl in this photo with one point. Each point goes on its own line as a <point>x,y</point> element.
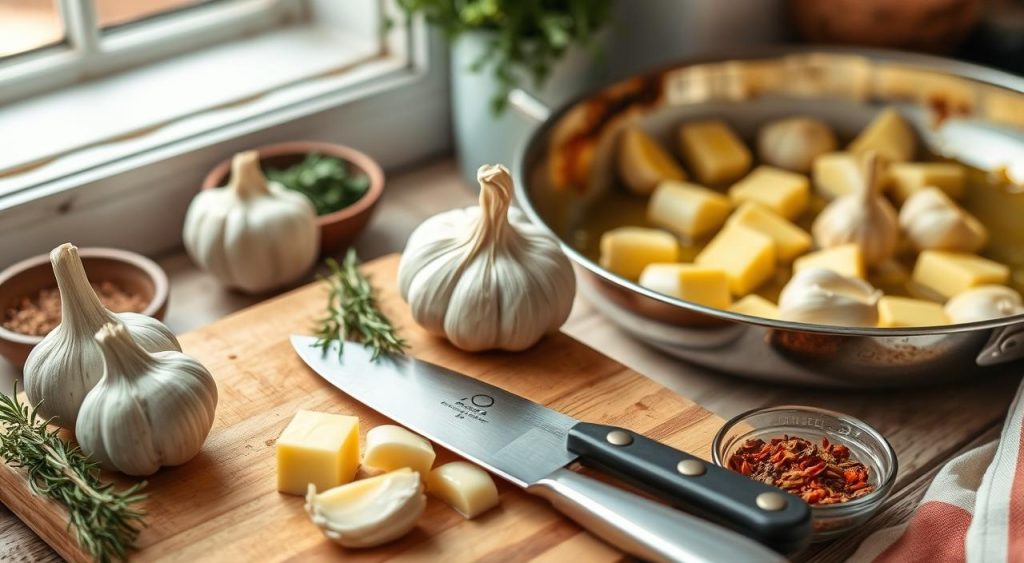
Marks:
<point>866,445</point>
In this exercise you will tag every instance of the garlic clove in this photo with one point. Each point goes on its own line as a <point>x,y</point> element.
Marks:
<point>643,163</point>
<point>795,142</point>
<point>825,297</point>
<point>932,221</point>
<point>983,303</point>
<point>369,512</point>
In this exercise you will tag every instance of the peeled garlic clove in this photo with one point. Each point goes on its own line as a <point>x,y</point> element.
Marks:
<point>793,143</point>
<point>820,296</point>
<point>983,303</point>
<point>369,512</point>
<point>464,487</point>
<point>931,221</point>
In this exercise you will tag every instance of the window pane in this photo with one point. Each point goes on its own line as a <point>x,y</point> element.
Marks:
<point>110,13</point>
<point>28,24</point>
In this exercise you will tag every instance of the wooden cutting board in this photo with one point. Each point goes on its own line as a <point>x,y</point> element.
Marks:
<point>223,505</point>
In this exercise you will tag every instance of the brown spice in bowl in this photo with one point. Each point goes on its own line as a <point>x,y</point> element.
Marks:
<point>38,315</point>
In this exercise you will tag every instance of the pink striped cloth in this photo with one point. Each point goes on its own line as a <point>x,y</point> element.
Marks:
<point>973,511</point>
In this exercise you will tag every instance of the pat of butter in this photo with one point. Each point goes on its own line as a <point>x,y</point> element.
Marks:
<point>698,284</point>
<point>714,153</point>
<point>626,251</point>
<point>784,192</point>
<point>464,487</point>
<point>687,209</point>
<point>835,174</point>
<point>746,255</point>
<point>318,448</point>
<point>790,240</point>
<point>889,135</point>
<point>908,177</point>
<point>390,447</point>
<point>845,259</point>
<point>950,273</point>
<point>902,312</point>
<point>756,306</point>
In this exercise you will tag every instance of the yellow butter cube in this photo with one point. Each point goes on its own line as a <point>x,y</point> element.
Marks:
<point>784,192</point>
<point>905,178</point>
<point>903,312</point>
<point>746,255</point>
<point>643,163</point>
<point>835,174</point>
<point>390,447</point>
<point>756,306</point>
<point>713,152</point>
<point>845,259</point>
<point>464,487</point>
<point>626,251</point>
<point>318,448</point>
<point>698,284</point>
<point>950,273</point>
<point>686,209</point>
<point>790,240</point>
<point>889,135</point>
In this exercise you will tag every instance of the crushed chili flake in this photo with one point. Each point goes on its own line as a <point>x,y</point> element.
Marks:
<point>819,474</point>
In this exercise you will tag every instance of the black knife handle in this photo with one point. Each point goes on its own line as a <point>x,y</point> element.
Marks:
<point>687,481</point>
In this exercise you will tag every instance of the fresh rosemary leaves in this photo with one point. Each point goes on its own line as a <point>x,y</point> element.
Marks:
<point>352,312</point>
<point>106,522</point>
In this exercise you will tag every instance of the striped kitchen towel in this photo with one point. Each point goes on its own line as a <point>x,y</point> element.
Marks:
<point>973,511</point>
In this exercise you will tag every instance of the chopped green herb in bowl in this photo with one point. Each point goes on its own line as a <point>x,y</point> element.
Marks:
<point>330,183</point>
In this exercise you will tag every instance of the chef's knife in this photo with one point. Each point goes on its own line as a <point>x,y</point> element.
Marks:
<point>527,444</point>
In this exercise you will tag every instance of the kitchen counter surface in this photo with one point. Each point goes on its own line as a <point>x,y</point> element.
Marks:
<point>926,426</point>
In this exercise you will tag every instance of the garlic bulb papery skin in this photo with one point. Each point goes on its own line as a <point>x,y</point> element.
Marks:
<point>983,303</point>
<point>148,410</point>
<point>67,363</point>
<point>369,512</point>
<point>864,218</point>
<point>485,277</point>
<point>794,142</point>
<point>825,297</point>
<point>931,221</point>
<point>252,235</point>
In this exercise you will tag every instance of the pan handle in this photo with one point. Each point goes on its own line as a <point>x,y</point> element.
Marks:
<point>528,105</point>
<point>1005,345</point>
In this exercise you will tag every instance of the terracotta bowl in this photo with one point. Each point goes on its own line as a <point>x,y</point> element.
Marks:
<point>338,229</point>
<point>131,271</point>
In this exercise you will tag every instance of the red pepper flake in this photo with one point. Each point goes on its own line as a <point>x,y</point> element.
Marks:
<point>824,474</point>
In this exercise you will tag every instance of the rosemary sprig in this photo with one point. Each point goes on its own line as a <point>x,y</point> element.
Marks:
<point>352,312</point>
<point>105,521</point>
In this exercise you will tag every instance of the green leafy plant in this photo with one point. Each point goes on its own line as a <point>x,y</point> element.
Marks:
<point>329,182</point>
<point>531,35</point>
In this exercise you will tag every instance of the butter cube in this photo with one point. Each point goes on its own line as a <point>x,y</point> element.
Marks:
<point>835,174</point>
<point>784,192</point>
<point>686,209</point>
<point>950,273</point>
<point>318,448</point>
<point>902,312</point>
<point>790,240</point>
<point>391,447</point>
<point>845,259</point>
<point>464,487</point>
<point>698,284</point>
<point>905,178</point>
<point>889,135</point>
<point>713,152</point>
<point>756,306</point>
<point>746,255</point>
<point>643,163</point>
<point>626,251</point>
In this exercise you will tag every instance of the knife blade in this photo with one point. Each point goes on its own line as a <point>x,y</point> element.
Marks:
<point>529,445</point>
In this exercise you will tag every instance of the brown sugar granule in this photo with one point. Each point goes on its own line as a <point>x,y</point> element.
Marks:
<point>37,315</point>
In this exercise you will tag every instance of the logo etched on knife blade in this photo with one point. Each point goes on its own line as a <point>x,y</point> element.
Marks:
<point>474,407</point>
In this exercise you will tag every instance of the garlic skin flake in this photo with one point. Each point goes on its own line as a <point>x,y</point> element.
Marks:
<point>67,363</point>
<point>983,303</point>
<point>485,277</point>
<point>824,297</point>
<point>931,221</point>
<point>369,512</point>
<point>794,142</point>
<point>148,410</point>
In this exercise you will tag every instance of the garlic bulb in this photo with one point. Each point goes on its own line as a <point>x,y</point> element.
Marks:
<point>148,410</point>
<point>485,277</point>
<point>252,235</point>
<point>793,143</point>
<point>931,221</point>
<point>864,218</point>
<point>824,297</point>
<point>369,512</point>
<point>67,363</point>
<point>984,302</point>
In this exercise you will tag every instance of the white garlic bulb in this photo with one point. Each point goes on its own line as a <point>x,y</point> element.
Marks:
<point>825,297</point>
<point>793,143</point>
<point>983,303</point>
<point>148,410</point>
<point>67,363</point>
<point>931,221</point>
<point>864,218</point>
<point>485,277</point>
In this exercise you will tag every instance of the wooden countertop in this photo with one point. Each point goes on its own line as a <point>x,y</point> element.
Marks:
<point>926,426</point>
